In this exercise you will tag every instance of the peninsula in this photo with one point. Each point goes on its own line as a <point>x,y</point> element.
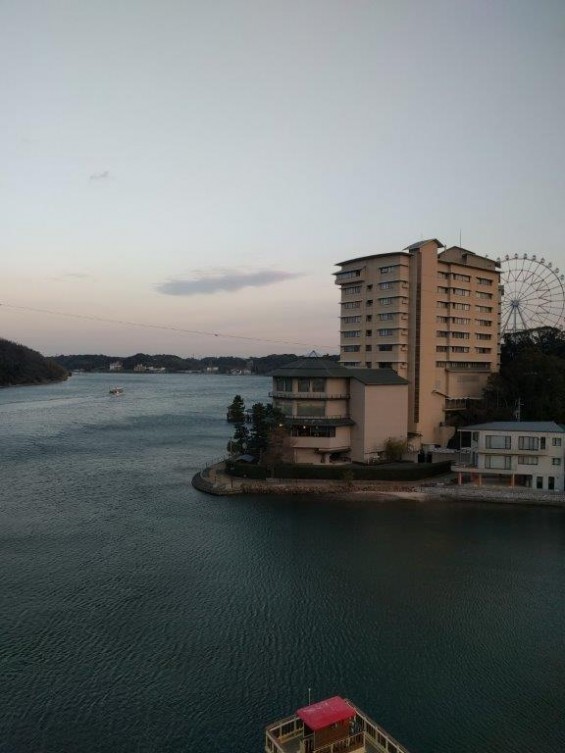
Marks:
<point>23,366</point>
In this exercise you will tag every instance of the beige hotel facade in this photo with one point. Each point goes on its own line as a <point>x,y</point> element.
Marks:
<point>430,313</point>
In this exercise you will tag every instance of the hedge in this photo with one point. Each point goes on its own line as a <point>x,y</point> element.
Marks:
<point>390,472</point>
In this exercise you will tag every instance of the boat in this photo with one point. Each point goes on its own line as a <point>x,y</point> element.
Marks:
<point>332,726</point>
<point>116,391</point>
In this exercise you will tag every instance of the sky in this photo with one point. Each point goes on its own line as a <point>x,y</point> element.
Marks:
<point>182,177</point>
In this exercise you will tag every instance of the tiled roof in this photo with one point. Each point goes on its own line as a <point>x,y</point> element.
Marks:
<point>324,367</point>
<point>535,426</point>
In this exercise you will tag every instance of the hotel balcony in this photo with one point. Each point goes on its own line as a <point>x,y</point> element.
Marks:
<point>309,395</point>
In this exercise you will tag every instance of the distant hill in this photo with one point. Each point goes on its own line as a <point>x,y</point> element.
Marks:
<point>223,364</point>
<point>21,365</point>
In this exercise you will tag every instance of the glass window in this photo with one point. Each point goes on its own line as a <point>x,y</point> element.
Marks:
<point>528,443</point>
<point>556,461</point>
<point>501,462</point>
<point>556,441</point>
<point>498,442</point>
<point>310,409</point>
<point>528,460</point>
<point>285,407</point>
<point>318,385</point>
<point>283,384</point>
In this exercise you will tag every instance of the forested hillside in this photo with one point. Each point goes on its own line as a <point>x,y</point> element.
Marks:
<point>21,365</point>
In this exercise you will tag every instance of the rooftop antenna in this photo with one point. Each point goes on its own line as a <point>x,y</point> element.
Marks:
<point>460,246</point>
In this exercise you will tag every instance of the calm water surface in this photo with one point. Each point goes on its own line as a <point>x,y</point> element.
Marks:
<point>140,615</point>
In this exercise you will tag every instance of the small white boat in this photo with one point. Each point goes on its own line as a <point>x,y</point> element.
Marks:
<point>116,391</point>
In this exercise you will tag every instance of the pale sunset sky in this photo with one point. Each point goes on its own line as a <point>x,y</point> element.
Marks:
<point>203,165</point>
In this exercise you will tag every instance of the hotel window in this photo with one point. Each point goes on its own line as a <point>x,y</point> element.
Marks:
<point>461,306</point>
<point>528,460</point>
<point>285,407</point>
<point>556,441</point>
<point>369,302</point>
<point>443,275</point>
<point>484,323</point>
<point>348,275</point>
<point>460,320</point>
<point>368,348</point>
<point>283,384</point>
<point>484,281</point>
<point>482,336</point>
<point>483,350</point>
<point>499,462</point>
<point>385,332</point>
<point>441,349</point>
<point>368,364</point>
<point>461,291</point>
<point>386,285</point>
<point>385,347</point>
<point>555,461</point>
<point>459,349</point>
<point>442,319</point>
<point>352,290</point>
<point>350,319</point>
<point>351,348</point>
<point>528,443</point>
<point>442,291</point>
<point>310,409</point>
<point>440,364</point>
<point>351,333</point>
<point>385,301</point>
<point>352,305</point>
<point>442,305</point>
<point>460,335</point>
<point>368,333</point>
<point>442,333</point>
<point>480,294</point>
<point>369,287</point>
<point>385,270</point>
<point>498,442</point>
<point>318,385</point>
<point>484,309</point>
<point>461,278</point>
<point>369,318</point>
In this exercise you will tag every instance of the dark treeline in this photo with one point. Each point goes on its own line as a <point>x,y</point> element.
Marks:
<point>20,365</point>
<point>530,383</point>
<point>224,364</point>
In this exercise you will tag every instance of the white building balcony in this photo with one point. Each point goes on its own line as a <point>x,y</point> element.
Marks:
<point>309,395</point>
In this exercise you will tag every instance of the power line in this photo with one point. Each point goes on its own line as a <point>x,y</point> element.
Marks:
<point>144,325</point>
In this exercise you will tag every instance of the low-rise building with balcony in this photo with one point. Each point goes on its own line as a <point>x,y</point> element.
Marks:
<point>339,414</point>
<point>512,453</point>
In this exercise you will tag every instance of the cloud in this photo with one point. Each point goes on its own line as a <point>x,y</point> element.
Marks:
<point>227,281</point>
<point>104,175</point>
<point>74,276</point>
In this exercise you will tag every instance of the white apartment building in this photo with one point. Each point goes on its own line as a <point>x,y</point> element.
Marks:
<point>514,453</point>
<point>433,315</point>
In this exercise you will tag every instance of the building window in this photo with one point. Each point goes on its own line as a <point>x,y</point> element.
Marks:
<point>459,349</point>
<point>484,309</point>
<point>352,305</point>
<point>460,335</point>
<point>483,323</point>
<point>351,333</point>
<point>528,443</point>
<point>443,275</point>
<point>385,347</point>
<point>352,290</point>
<point>483,351</point>
<point>385,301</point>
<point>368,348</point>
<point>498,441</point>
<point>386,270</point>
<point>283,384</point>
<point>440,364</point>
<point>556,441</point>
<point>369,318</point>
<point>461,291</point>
<point>441,333</point>
<point>386,285</point>
<point>442,291</point>
<point>461,278</point>
<point>460,320</point>
<point>350,319</point>
<point>317,409</point>
<point>369,302</point>
<point>461,306</point>
<point>351,348</point>
<point>312,431</point>
<point>348,275</point>
<point>499,462</point>
<point>555,461</point>
<point>385,332</point>
<point>441,348</point>
<point>484,281</point>
<point>480,294</point>
<point>551,483</point>
<point>442,319</point>
<point>369,287</point>
<point>528,460</point>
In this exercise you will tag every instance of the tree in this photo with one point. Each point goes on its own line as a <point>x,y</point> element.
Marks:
<point>236,411</point>
<point>264,418</point>
<point>279,448</point>
<point>394,448</point>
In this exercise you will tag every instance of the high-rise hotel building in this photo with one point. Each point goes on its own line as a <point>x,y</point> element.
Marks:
<point>433,315</point>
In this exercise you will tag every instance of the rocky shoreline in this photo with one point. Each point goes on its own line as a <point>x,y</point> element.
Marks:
<point>214,480</point>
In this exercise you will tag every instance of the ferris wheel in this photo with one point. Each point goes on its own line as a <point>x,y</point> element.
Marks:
<point>534,293</point>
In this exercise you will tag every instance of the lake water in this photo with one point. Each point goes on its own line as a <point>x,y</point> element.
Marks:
<point>138,614</point>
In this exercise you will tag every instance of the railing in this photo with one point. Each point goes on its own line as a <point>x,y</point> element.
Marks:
<point>310,395</point>
<point>354,742</point>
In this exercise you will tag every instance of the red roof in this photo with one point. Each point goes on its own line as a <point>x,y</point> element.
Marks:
<point>322,714</point>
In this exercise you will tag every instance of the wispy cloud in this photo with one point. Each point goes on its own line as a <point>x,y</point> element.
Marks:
<point>206,283</point>
<point>104,175</point>
<point>73,276</point>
